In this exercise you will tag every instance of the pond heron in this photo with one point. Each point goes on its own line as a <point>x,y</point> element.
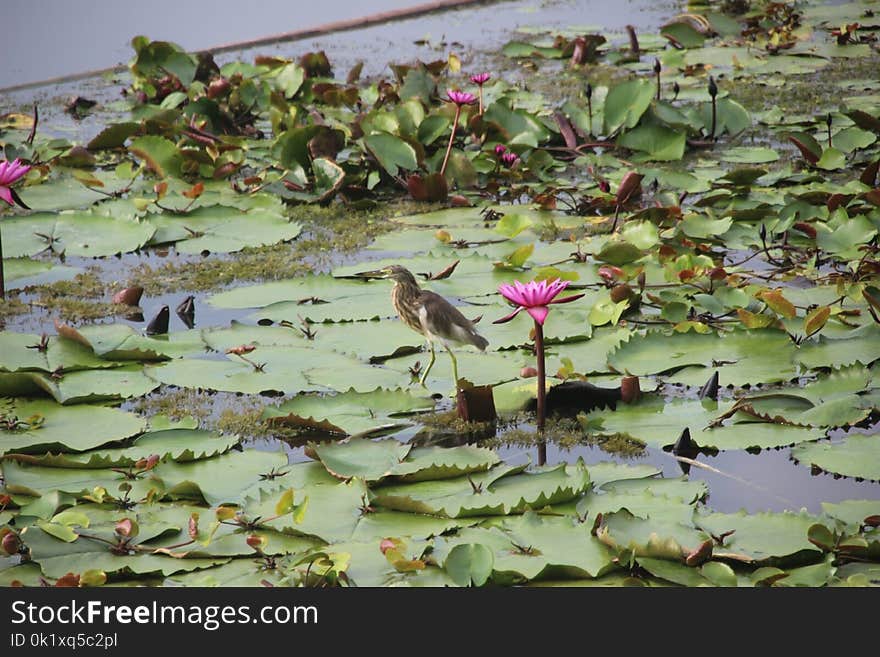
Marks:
<point>431,315</point>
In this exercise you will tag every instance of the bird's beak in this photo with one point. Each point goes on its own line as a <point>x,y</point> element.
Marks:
<point>374,273</point>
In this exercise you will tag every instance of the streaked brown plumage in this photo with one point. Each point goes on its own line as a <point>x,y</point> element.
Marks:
<point>431,315</point>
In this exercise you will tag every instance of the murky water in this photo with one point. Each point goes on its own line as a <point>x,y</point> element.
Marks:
<point>54,38</point>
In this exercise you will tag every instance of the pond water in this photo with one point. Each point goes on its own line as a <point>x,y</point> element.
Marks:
<point>74,38</point>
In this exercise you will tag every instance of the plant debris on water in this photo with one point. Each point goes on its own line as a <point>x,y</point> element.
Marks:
<point>708,195</point>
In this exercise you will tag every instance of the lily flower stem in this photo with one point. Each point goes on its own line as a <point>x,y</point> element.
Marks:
<point>481,100</point>
<point>590,114</point>
<point>542,391</point>
<point>451,139</point>
<point>714,119</point>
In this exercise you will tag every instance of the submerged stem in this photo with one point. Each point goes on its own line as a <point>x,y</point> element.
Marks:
<point>542,391</point>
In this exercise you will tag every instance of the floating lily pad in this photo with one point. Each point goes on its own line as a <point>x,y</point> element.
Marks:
<point>359,457</point>
<point>743,356</point>
<point>760,537</point>
<point>222,229</point>
<point>623,531</point>
<point>658,423</point>
<point>854,456</point>
<point>122,342</point>
<point>65,428</point>
<point>332,512</point>
<point>175,444</point>
<point>642,505</point>
<point>609,471</point>
<point>852,512</point>
<point>21,352</point>
<point>281,369</point>
<point>23,272</point>
<point>348,413</point>
<point>860,346</point>
<point>431,463</point>
<point>95,385</point>
<point>76,233</point>
<point>500,494</point>
<point>749,155</point>
<point>57,558</point>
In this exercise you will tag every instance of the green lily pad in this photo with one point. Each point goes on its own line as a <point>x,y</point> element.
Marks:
<point>761,537</point>
<point>348,413</point>
<point>860,346</point>
<point>622,531</point>
<point>749,155</point>
<point>657,142</point>
<point>65,428</point>
<point>90,234</point>
<point>284,369</point>
<point>431,463</point>
<point>370,460</point>
<point>24,272</point>
<point>57,558</point>
<point>21,352</point>
<point>658,423</point>
<point>674,571</point>
<point>642,505</point>
<point>380,524</point>
<point>175,444</point>
<point>392,152</point>
<point>499,494</point>
<point>122,342</point>
<point>626,102</point>
<point>606,472</point>
<point>854,456</point>
<point>222,229</point>
<point>95,385</point>
<point>741,356</point>
<point>332,512</point>
<point>852,512</point>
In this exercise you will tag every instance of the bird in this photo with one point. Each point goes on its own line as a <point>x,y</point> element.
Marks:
<point>431,315</point>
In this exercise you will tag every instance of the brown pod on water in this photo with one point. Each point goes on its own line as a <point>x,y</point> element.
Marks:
<point>476,404</point>
<point>130,296</point>
<point>710,388</point>
<point>620,292</point>
<point>629,389</point>
<point>159,324</point>
<point>187,311</point>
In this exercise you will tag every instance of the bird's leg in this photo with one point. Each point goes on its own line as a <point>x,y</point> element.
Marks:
<point>454,366</point>
<point>430,364</point>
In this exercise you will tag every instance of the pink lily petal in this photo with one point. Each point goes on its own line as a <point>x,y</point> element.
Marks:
<point>508,317</point>
<point>6,195</point>
<point>538,313</point>
<point>535,297</point>
<point>12,171</point>
<point>574,297</point>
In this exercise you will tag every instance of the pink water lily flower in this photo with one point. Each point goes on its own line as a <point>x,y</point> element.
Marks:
<point>509,158</point>
<point>10,172</point>
<point>460,97</point>
<point>480,78</point>
<point>534,297</point>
